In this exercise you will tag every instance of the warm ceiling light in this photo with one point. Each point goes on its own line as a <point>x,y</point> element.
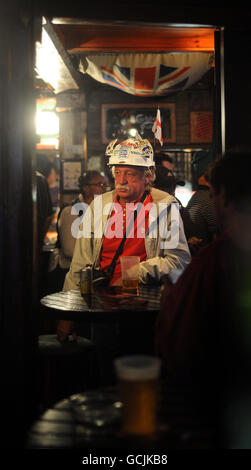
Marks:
<point>132,132</point>
<point>47,123</point>
<point>47,59</point>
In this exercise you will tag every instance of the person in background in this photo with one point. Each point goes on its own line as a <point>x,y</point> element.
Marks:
<point>44,217</point>
<point>165,160</point>
<point>203,330</point>
<point>44,204</point>
<point>53,182</point>
<point>91,183</point>
<point>166,181</point>
<point>200,207</point>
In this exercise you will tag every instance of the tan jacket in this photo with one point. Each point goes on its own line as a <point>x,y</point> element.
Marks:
<point>160,260</point>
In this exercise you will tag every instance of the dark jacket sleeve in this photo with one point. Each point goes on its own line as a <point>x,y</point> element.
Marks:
<point>188,315</point>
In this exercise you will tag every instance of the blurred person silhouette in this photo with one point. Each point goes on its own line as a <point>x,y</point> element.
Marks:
<point>167,181</point>
<point>53,182</point>
<point>164,159</point>
<point>44,217</point>
<point>203,332</point>
<point>44,204</point>
<point>200,207</point>
<point>91,183</point>
<point>166,178</point>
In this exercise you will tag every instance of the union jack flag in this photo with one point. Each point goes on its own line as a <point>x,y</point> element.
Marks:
<point>149,74</point>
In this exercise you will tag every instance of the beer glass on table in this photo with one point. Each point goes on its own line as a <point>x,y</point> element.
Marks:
<point>130,274</point>
<point>138,388</point>
<point>86,284</point>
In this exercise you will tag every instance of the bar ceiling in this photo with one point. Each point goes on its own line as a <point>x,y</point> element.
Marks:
<point>89,38</point>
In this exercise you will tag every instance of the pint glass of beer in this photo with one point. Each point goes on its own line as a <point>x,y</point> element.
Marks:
<point>130,274</point>
<point>138,386</point>
<point>86,285</point>
<point>85,281</point>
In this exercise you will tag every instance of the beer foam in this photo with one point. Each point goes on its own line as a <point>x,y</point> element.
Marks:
<point>137,367</point>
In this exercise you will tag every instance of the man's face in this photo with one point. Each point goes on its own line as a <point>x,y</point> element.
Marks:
<point>97,185</point>
<point>130,182</point>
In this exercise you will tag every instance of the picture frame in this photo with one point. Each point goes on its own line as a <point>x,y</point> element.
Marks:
<point>70,171</point>
<point>117,119</point>
<point>201,127</point>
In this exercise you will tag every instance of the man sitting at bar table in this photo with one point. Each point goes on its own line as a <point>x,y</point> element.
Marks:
<point>162,251</point>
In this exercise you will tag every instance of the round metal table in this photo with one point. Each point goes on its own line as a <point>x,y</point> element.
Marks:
<point>120,323</point>
<point>91,420</point>
<point>101,306</point>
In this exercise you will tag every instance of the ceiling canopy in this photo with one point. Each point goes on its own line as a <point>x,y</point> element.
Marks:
<point>86,38</point>
<point>144,60</point>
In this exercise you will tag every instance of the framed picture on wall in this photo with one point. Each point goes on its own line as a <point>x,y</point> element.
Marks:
<point>201,127</point>
<point>71,170</point>
<point>118,119</point>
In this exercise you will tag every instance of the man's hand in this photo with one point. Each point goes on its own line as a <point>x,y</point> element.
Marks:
<point>194,244</point>
<point>64,329</point>
<point>118,282</point>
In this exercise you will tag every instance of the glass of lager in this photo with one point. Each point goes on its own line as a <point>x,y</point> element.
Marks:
<point>130,274</point>
<point>86,284</point>
<point>138,387</point>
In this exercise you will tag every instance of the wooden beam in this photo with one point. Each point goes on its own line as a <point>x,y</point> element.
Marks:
<point>127,38</point>
<point>68,76</point>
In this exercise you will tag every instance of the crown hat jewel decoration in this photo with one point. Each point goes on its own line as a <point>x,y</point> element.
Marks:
<point>141,147</point>
<point>110,147</point>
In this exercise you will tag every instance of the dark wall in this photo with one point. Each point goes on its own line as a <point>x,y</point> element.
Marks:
<point>166,11</point>
<point>237,46</point>
<point>17,315</point>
